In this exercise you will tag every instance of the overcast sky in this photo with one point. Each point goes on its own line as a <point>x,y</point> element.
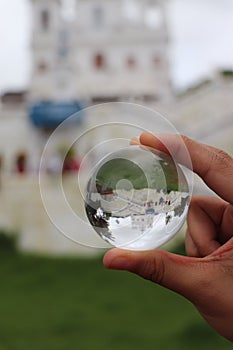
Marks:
<point>201,40</point>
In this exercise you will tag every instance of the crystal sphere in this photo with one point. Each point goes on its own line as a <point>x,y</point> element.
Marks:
<point>134,197</point>
<point>137,198</point>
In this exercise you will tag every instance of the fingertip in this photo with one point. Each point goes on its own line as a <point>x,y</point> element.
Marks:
<point>147,138</point>
<point>154,141</point>
<point>109,256</point>
<point>107,259</point>
<point>116,259</point>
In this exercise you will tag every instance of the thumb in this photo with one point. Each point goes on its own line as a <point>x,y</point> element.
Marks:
<point>184,275</point>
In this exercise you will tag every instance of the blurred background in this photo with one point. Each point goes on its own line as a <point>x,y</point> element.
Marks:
<point>58,57</point>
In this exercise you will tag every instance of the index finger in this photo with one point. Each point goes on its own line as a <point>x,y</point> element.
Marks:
<point>214,166</point>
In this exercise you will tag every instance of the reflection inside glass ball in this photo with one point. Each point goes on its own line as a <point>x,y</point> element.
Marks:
<point>137,198</point>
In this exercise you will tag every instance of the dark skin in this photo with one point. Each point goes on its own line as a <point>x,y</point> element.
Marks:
<point>205,275</point>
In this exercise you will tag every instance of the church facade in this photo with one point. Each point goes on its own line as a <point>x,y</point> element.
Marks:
<point>99,50</point>
<point>86,52</point>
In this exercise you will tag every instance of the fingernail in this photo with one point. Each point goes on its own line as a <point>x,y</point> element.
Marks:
<point>134,141</point>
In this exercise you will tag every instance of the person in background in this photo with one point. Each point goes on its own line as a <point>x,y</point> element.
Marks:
<point>21,163</point>
<point>71,162</point>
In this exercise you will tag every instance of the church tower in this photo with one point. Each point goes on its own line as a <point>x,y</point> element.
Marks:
<point>46,23</point>
<point>99,50</point>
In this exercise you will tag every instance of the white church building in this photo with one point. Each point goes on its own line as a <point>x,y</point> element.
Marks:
<point>97,51</point>
<point>86,52</point>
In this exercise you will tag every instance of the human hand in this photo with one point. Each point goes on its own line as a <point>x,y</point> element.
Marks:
<point>205,276</point>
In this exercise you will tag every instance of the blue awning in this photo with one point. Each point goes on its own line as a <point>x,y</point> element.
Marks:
<point>51,114</point>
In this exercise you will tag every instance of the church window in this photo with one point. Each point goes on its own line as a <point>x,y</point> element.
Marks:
<point>42,67</point>
<point>157,60</point>
<point>45,20</point>
<point>131,62</point>
<point>99,61</point>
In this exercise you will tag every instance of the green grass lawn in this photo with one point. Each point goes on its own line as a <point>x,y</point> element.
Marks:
<point>66,304</point>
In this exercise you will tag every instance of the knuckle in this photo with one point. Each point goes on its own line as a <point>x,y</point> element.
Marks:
<point>221,158</point>
<point>153,269</point>
<point>218,160</point>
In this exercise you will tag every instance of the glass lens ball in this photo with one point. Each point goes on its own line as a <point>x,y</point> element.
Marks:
<point>137,198</point>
